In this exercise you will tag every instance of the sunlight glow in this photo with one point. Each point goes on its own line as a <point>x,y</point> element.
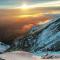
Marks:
<point>24,6</point>
<point>25,9</point>
<point>27,6</point>
<point>48,4</point>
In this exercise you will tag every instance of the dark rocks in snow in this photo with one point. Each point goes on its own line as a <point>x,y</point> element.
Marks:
<point>2,59</point>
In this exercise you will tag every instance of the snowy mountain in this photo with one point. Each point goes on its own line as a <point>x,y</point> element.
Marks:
<point>45,37</point>
<point>41,39</point>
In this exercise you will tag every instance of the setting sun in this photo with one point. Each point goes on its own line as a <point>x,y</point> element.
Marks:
<point>24,6</point>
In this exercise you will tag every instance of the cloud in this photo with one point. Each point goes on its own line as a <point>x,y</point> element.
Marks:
<point>5,2</point>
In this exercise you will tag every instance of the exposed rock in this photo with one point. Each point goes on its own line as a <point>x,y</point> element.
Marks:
<point>2,59</point>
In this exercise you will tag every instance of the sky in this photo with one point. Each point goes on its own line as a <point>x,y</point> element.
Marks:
<point>14,3</point>
<point>15,14</point>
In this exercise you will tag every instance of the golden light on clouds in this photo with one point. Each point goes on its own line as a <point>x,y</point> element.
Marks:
<point>27,10</point>
<point>54,12</point>
<point>48,4</point>
<point>30,15</point>
<point>43,22</point>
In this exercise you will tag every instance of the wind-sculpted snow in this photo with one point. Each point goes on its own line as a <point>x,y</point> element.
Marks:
<point>46,39</point>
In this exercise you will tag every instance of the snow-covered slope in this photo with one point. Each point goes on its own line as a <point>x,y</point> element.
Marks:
<point>47,38</point>
<point>16,55</point>
<point>3,47</point>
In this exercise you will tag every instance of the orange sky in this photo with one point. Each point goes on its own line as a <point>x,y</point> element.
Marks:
<point>23,20</point>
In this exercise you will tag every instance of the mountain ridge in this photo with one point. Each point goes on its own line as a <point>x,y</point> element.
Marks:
<point>43,40</point>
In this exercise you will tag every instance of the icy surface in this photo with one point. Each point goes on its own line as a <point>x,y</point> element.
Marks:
<point>3,47</point>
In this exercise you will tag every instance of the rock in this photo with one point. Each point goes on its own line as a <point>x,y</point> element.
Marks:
<point>47,56</point>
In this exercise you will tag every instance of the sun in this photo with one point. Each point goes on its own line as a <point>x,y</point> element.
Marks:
<point>24,7</point>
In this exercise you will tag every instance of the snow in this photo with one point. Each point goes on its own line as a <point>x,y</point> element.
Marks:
<point>3,47</point>
<point>16,55</point>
